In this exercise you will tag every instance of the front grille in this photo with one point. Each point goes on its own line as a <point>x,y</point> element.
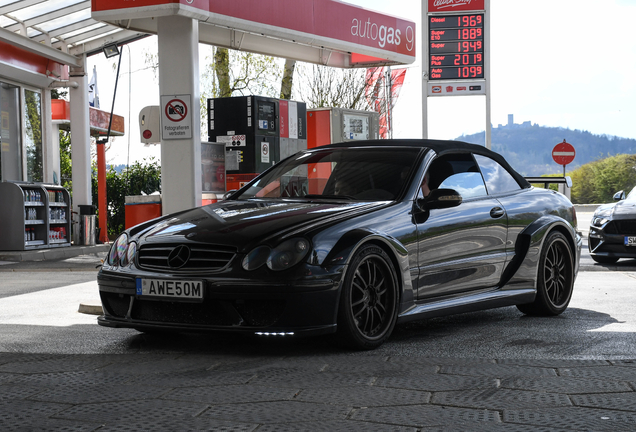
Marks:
<point>223,313</point>
<point>212,313</point>
<point>203,258</point>
<point>625,227</point>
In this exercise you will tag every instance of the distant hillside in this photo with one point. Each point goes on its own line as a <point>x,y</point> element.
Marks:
<point>528,148</point>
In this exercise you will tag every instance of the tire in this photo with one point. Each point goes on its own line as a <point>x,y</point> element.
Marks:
<point>368,300</point>
<point>604,259</point>
<point>555,279</point>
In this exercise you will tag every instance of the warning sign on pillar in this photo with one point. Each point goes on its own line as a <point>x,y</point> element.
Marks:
<point>176,117</point>
<point>265,152</point>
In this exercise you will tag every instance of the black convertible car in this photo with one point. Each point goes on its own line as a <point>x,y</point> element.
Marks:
<point>350,239</point>
<point>613,230</point>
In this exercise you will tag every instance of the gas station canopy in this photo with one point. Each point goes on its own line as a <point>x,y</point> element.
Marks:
<point>326,32</point>
<point>56,28</point>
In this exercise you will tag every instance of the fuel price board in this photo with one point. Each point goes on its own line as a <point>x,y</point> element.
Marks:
<point>456,47</point>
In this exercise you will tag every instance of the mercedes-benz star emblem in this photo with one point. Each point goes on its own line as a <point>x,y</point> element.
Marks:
<point>179,256</point>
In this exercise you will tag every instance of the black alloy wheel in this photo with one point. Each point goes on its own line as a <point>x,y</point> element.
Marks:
<point>555,279</point>
<point>369,300</point>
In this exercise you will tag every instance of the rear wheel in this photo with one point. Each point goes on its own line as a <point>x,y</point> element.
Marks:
<point>604,259</point>
<point>555,279</point>
<point>369,300</point>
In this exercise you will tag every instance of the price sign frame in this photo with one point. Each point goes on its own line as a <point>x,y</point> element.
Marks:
<point>448,23</point>
<point>456,48</point>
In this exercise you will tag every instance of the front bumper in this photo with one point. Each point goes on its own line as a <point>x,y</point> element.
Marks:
<point>298,307</point>
<point>603,244</point>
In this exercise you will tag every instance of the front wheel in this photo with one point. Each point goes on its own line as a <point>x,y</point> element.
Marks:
<point>555,278</point>
<point>369,300</point>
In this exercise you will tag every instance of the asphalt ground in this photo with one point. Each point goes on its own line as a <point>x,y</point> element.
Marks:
<point>485,371</point>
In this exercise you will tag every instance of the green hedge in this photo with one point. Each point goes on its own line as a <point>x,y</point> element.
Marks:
<point>598,181</point>
<point>136,179</point>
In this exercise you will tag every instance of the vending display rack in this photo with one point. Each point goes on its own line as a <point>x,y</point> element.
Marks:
<point>34,216</point>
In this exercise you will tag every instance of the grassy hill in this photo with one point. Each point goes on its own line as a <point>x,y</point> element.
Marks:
<point>528,148</point>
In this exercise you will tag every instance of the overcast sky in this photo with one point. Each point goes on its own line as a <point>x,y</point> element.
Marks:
<point>560,63</point>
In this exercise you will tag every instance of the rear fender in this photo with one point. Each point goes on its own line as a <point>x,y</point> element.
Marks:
<point>522,270</point>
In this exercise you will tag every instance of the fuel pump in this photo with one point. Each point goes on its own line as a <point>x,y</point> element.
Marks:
<point>257,131</point>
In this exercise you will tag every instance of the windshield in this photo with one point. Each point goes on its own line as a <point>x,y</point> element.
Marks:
<point>632,196</point>
<point>365,174</point>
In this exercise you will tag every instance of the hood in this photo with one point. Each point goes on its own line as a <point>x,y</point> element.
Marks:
<point>245,223</point>
<point>604,210</point>
<point>625,209</point>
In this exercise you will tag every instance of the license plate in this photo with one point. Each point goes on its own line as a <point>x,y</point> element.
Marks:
<point>173,289</point>
<point>630,241</point>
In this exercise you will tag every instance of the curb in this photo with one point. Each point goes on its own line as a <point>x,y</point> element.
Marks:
<point>53,254</point>
<point>91,308</point>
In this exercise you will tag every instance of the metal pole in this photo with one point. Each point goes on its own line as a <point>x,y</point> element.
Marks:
<point>424,50</point>
<point>388,93</point>
<point>487,74</point>
<point>102,201</point>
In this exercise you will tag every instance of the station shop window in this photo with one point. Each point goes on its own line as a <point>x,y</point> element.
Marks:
<point>10,134</point>
<point>21,153</point>
<point>33,135</point>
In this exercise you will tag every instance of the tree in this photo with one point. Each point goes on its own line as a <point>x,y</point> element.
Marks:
<point>598,181</point>
<point>65,149</point>
<point>235,73</point>
<point>66,165</point>
<point>287,82</point>
<point>136,179</point>
<point>324,86</point>
<point>373,89</point>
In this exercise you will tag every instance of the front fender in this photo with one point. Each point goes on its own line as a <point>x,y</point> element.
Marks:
<point>346,247</point>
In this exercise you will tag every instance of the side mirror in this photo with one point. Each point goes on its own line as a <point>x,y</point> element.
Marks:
<point>619,196</point>
<point>440,199</point>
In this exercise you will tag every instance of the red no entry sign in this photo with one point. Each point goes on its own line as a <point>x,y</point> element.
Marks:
<point>563,153</point>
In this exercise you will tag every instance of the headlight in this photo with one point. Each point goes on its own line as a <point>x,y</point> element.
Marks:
<point>129,256</point>
<point>282,257</point>
<point>118,250</point>
<point>287,254</point>
<point>599,221</point>
<point>256,258</point>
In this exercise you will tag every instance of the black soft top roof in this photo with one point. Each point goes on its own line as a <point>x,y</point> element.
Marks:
<point>439,147</point>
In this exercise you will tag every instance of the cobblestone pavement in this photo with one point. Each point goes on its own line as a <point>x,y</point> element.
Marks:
<point>339,392</point>
<point>256,385</point>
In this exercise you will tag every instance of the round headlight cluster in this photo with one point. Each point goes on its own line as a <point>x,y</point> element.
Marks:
<point>285,255</point>
<point>122,252</point>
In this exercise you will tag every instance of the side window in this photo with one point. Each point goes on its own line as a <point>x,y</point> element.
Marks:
<point>458,172</point>
<point>468,184</point>
<point>498,180</point>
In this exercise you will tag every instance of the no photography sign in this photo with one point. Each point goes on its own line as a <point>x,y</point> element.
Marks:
<point>176,118</point>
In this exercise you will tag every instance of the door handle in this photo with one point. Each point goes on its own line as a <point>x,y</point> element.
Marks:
<point>497,212</point>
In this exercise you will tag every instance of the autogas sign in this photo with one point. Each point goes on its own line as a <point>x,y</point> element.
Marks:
<point>176,117</point>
